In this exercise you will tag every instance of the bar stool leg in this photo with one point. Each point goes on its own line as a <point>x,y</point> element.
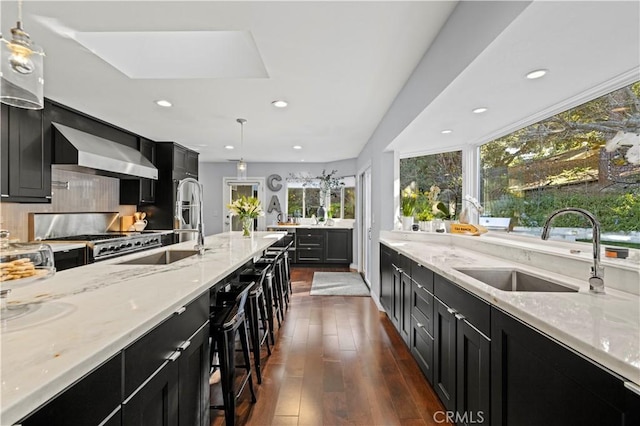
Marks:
<point>264,320</point>
<point>226,349</point>
<point>254,335</point>
<point>247,362</point>
<point>270,303</point>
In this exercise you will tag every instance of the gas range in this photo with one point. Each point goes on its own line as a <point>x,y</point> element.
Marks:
<point>113,244</point>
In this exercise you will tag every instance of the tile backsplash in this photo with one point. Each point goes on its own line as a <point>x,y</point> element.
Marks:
<point>86,193</point>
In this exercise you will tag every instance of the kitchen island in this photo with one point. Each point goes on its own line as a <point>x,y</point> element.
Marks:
<point>87,315</point>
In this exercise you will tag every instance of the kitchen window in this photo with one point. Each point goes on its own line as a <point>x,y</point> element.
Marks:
<point>586,157</point>
<point>303,199</point>
<point>443,170</point>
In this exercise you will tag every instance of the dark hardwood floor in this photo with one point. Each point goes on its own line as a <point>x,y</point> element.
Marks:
<point>337,361</point>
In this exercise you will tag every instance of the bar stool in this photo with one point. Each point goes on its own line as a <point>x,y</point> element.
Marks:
<point>278,281</point>
<point>264,274</point>
<point>228,322</point>
<point>256,314</point>
<point>271,252</point>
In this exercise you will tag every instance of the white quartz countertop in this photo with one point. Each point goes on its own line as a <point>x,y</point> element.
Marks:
<point>604,328</point>
<point>83,316</point>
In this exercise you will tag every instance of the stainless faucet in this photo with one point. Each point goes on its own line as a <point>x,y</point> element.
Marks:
<point>196,199</point>
<point>596,281</point>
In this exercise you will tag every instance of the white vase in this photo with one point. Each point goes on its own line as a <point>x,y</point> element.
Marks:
<point>426,225</point>
<point>407,223</point>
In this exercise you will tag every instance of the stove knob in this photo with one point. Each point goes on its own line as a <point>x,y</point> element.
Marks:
<point>103,249</point>
<point>129,244</point>
<point>123,245</point>
<point>138,243</point>
<point>111,248</point>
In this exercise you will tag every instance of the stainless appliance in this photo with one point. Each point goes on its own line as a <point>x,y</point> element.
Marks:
<point>106,246</point>
<point>95,230</point>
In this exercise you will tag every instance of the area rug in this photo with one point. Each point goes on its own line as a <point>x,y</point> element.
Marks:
<point>338,284</point>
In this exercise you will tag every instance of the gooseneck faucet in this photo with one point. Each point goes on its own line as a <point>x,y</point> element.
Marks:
<point>195,199</point>
<point>596,281</point>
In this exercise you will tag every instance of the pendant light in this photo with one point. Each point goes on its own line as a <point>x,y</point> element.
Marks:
<point>241,166</point>
<point>22,83</point>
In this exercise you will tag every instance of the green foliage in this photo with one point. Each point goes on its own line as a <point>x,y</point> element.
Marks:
<point>408,200</point>
<point>425,215</point>
<point>616,212</point>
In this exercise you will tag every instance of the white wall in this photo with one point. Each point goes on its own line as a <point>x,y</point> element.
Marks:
<point>469,30</point>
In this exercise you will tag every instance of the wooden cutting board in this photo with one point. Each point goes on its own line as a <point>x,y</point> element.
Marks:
<point>126,222</point>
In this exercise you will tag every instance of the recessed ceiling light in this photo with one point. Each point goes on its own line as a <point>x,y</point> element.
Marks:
<point>446,131</point>
<point>228,147</point>
<point>536,74</point>
<point>480,110</point>
<point>163,103</point>
<point>297,147</point>
<point>279,104</point>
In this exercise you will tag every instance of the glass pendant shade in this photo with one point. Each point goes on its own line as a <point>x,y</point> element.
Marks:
<point>22,83</point>
<point>242,170</point>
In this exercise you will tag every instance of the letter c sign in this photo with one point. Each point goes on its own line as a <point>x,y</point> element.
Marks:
<point>275,187</point>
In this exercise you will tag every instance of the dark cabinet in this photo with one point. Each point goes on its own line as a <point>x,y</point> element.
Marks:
<point>462,352</point>
<point>538,381</point>
<point>405,302</point>
<point>91,401</point>
<point>310,245</point>
<point>156,402</point>
<point>140,191</point>
<point>26,157</point>
<point>444,359</point>
<point>386,277</point>
<point>193,388</point>
<point>422,319</point>
<point>67,259</point>
<point>323,246</point>
<point>185,163</point>
<point>338,246</point>
<point>168,239</point>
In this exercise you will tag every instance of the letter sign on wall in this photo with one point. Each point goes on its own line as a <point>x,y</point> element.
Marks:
<point>275,187</point>
<point>274,205</point>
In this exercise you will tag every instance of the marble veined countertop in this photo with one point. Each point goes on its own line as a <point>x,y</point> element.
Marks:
<point>604,328</point>
<point>82,316</point>
<point>336,225</point>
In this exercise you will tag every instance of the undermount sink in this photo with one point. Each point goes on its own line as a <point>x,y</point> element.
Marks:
<point>514,280</point>
<point>162,258</point>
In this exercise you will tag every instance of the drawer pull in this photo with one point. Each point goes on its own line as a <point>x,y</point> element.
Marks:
<point>459,316</point>
<point>420,325</point>
<point>174,356</point>
<point>184,345</point>
<point>180,310</point>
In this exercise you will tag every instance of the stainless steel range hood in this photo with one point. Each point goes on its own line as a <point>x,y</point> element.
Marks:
<point>81,151</point>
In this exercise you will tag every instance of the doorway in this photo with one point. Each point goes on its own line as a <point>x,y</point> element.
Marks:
<point>364,216</point>
<point>232,189</point>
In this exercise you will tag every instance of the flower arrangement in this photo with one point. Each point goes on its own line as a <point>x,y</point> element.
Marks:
<point>408,200</point>
<point>247,209</point>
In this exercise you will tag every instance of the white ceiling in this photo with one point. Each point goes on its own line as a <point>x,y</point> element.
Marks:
<point>583,45</point>
<point>338,64</point>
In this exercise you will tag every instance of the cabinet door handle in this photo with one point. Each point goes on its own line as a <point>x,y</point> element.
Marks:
<point>180,310</point>
<point>174,356</point>
<point>184,345</point>
<point>451,311</point>
<point>419,286</point>
<point>420,325</point>
<point>458,316</point>
<point>5,196</point>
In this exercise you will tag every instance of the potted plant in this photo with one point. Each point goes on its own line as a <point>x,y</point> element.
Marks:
<point>247,209</point>
<point>408,201</point>
<point>446,208</point>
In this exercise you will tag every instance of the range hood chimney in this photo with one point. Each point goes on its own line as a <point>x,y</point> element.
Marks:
<point>80,151</point>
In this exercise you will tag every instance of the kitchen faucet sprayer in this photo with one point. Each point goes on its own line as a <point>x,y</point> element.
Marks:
<point>596,281</point>
<point>196,199</point>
